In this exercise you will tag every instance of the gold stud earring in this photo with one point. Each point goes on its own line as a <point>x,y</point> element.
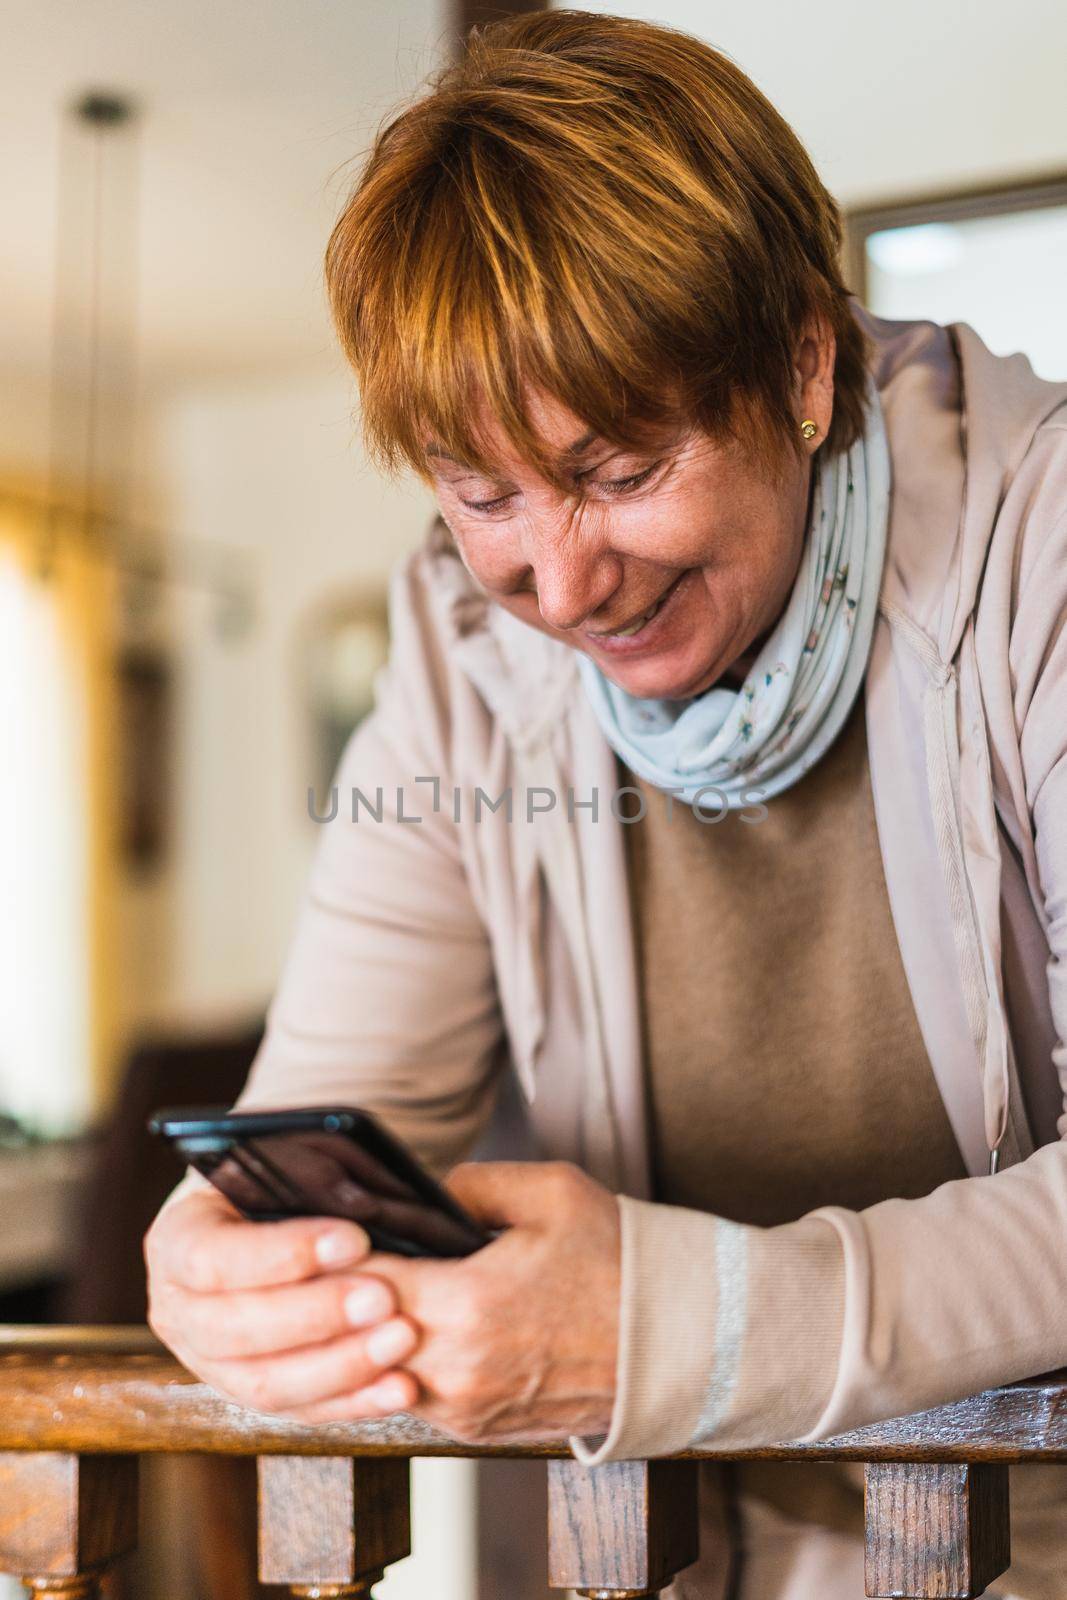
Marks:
<point>808,428</point>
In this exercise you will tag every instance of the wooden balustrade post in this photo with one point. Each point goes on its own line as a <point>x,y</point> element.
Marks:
<point>935,1530</point>
<point>330,1525</point>
<point>622,1529</point>
<point>65,1518</point>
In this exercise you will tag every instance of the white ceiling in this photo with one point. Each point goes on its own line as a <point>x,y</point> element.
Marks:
<point>249,108</point>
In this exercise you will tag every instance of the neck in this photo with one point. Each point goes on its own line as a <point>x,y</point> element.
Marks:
<point>738,670</point>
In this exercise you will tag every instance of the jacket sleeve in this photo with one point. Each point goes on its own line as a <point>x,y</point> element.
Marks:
<point>839,1319</point>
<point>387,997</point>
<point>845,1318</point>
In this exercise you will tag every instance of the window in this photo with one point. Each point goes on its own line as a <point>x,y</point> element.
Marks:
<point>993,258</point>
<point>46,965</point>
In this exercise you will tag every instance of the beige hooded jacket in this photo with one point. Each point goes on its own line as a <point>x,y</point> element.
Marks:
<point>439,940</point>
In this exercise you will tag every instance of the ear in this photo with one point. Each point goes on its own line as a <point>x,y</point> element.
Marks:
<point>813,367</point>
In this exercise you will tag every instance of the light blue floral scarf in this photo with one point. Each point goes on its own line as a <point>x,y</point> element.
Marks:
<point>732,748</point>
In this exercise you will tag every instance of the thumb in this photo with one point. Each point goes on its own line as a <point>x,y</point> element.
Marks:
<point>501,1194</point>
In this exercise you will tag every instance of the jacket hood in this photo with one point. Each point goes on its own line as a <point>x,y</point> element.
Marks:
<point>959,420</point>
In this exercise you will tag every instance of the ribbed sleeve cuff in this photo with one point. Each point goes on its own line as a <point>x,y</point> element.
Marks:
<point>726,1332</point>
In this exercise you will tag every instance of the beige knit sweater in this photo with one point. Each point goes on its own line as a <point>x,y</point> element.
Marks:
<point>786,1067</point>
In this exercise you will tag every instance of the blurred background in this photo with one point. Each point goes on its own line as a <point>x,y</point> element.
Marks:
<point>194,552</point>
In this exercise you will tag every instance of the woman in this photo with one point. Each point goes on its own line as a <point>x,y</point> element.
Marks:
<point>795,578</point>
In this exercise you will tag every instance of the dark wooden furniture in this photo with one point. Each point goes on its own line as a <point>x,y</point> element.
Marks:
<point>133,1172</point>
<point>79,1406</point>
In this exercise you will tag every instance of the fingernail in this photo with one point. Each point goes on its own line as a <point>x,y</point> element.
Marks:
<point>391,1394</point>
<point>339,1249</point>
<point>390,1342</point>
<point>370,1302</point>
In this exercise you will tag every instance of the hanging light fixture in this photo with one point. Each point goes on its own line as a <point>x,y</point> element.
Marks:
<point>94,332</point>
<point>94,374</point>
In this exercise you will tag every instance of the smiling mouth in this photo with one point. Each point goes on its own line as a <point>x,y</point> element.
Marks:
<point>638,622</point>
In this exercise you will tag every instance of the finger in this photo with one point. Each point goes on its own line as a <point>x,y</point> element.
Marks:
<point>255,1322</point>
<point>203,1244</point>
<point>317,1372</point>
<point>394,1391</point>
<point>507,1193</point>
<point>415,1281</point>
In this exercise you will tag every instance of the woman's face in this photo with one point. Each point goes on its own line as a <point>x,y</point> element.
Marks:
<point>664,565</point>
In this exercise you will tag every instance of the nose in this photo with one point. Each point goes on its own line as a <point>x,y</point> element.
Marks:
<point>573,579</point>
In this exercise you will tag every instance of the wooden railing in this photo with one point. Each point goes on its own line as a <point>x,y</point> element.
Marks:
<point>78,1406</point>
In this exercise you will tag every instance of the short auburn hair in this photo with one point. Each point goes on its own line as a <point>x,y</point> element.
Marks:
<point>606,209</point>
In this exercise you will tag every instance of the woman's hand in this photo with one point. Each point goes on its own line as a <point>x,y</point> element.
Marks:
<point>517,1342</point>
<point>276,1314</point>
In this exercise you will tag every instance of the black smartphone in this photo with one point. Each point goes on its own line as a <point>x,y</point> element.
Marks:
<point>323,1161</point>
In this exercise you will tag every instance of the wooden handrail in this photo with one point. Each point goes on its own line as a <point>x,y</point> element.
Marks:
<point>78,1406</point>
<point>104,1390</point>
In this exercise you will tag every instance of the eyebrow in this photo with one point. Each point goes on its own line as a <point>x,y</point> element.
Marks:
<point>579,447</point>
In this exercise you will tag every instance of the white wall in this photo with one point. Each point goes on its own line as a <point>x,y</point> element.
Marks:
<point>273,472</point>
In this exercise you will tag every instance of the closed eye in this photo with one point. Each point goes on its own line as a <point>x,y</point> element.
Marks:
<point>486,505</point>
<point>623,485</point>
<point>611,486</point>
